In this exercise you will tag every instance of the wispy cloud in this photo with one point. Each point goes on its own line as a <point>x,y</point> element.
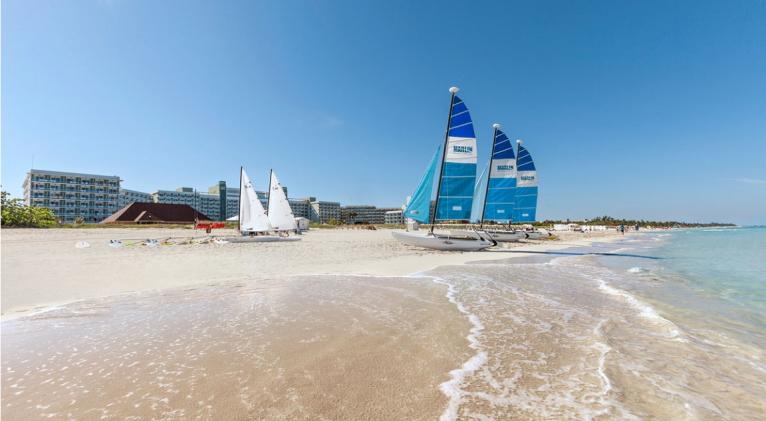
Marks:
<point>750,180</point>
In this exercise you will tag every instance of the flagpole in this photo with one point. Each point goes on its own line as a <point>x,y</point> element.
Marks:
<point>495,126</point>
<point>453,90</point>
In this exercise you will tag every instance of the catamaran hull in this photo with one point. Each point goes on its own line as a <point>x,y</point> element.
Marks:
<point>536,235</point>
<point>441,242</point>
<point>507,236</point>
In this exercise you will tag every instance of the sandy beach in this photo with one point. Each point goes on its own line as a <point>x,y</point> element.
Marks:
<point>235,331</point>
<point>347,325</point>
<point>43,267</point>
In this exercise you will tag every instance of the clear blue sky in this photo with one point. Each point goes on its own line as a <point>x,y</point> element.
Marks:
<point>635,109</point>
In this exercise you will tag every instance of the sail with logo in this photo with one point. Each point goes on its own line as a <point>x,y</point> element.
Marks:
<point>526,190</point>
<point>454,191</point>
<point>499,198</point>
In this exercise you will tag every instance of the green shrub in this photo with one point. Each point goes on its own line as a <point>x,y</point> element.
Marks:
<point>13,213</point>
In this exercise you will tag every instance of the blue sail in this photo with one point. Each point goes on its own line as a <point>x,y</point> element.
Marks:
<point>526,190</point>
<point>500,201</point>
<point>420,202</point>
<point>459,168</point>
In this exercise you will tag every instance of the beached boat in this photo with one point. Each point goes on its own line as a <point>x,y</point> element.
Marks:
<point>280,214</point>
<point>498,201</point>
<point>253,224</point>
<point>454,192</point>
<point>471,241</point>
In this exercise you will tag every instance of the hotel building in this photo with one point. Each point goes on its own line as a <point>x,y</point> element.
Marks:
<point>324,211</point>
<point>364,214</point>
<point>73,196</point>
<point>128,196</point>
<point>394,217</point>
<point>207,204</point>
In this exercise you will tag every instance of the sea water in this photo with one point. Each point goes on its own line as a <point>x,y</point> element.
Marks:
<point>715,276</point>
<point>665,325</point>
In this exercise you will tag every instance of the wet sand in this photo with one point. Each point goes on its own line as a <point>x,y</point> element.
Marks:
<point>237,331</point>
<point>330,347</point>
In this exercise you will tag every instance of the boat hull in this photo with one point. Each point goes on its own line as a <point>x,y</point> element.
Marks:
<point>442,242</point>
<point>536,235</point>
<point>507,236</point>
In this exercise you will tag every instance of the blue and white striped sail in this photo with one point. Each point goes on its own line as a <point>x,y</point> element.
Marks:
<point>500,201</point>
<point>419,206</point>
<point>526,190</point>
<point>459,168</point>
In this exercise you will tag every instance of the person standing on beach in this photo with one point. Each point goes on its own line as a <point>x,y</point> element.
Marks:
<point>622,229</point>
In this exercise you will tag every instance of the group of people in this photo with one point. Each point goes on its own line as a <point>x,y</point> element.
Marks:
<point>621,228</point>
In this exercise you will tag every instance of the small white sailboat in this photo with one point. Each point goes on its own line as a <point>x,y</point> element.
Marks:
<point>254,224</point>
<point>280,214</point>
<point>454,194</point>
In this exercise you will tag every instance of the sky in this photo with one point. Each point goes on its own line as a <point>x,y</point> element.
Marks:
<point>650,109</point>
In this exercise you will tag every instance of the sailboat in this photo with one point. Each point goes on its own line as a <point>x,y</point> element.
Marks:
<point>254,225</point>
<point>526,191</point>
<point>280,214</point>
<point>499,195</point>
<point>454,192</point>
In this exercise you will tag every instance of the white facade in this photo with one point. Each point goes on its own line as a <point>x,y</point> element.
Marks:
<point>73,196</point>
<point>394,217</point>
<point>323,211</point>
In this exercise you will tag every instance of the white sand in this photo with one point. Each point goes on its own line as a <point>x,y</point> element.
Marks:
<point>43,267</point>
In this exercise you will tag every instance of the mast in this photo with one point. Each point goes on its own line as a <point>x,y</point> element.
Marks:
<point>268,198</point>
<point>518,143</point>
<point>239,220</point>
<point>495,126</point>
<point>453,90</point>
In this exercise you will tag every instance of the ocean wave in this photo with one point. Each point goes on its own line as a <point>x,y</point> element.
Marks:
<point>645,310</point>
<point>451,388</point>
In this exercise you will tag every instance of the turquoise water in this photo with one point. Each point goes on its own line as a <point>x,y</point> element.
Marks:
<point>711,277</point>
<point>725,264</point>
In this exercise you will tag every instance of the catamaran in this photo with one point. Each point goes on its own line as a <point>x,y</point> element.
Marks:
<point>499,204</point>
<point>526,191</point>
<point>254,224</point>
<point>454,191</point>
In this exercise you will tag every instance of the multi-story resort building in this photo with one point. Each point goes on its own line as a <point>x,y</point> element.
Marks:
<point>394,217</point>
<point>323,211</point>
<point>301,207</point>
<point>228,199</point>
<point>92,198</point>
<point>206,203</point>
<point>73,196</point>
<point>364,214</point>
<point>128,196</point>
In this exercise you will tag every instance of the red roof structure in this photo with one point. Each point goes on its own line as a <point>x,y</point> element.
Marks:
<point>155,213</point>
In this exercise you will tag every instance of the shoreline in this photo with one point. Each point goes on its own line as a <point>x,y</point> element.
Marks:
<point>114,272</point>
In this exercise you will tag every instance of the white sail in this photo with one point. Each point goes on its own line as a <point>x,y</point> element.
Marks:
<point>252,217</point>
<point>280,215</point>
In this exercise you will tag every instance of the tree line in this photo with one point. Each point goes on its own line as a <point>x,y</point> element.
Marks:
<point>611,221</point>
